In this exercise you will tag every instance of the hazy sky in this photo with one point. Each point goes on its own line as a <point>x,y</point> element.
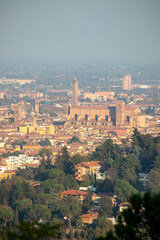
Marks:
<point>102,30</point>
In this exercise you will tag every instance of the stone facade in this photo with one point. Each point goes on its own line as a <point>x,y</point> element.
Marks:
<point>117,114</point>
<point>101,115</point>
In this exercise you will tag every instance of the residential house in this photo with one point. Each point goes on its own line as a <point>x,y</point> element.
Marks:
<point>7,174</point>
<point>89,217</point>
<point>80,195</point>
<point>21,161</point>
<point>31,146</point>
<point>86,168</point>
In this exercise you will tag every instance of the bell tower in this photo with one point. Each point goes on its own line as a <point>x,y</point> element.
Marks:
<point>36,109</point>
<point>120,113</point>
<point>75,92</point>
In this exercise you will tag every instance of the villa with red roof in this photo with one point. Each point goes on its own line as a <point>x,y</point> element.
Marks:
<point>80,195</point>
<point>89,217</point>
<point>86,168</point>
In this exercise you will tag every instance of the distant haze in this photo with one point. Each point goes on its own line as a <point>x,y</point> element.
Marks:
<point>69,30</point>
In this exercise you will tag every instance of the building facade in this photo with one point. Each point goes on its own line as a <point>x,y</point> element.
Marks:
<point>86,168</point>
<point>127,83</point>
<point>117,114</point>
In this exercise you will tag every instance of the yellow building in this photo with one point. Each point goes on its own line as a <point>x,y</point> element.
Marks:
<point>8,128</point>
<point>86,168</point>
<point>17,148</point>
<point>43,130</point>
<point>31,146</point>
<point>26,129</point>
<point>7,174</point>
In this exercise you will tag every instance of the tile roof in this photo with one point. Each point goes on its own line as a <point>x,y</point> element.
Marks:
<point>74,192</point>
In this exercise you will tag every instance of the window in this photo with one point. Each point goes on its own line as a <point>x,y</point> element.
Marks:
<point>86,117</point>
<point>96,118</point>
<point>76,117</point>
<point>106,118</point>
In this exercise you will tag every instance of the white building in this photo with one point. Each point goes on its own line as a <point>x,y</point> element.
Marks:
<point>15,162</point>
<point>100,176</point>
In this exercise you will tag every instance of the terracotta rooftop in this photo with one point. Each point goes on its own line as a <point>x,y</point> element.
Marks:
<point>9,171</point>
<point>89,164</point>
<point>90,214</point>
<point>30,165</point>
<point>31,144</point>
<point>3,163</point>
<point>124,204</point>
<point>74,193</point>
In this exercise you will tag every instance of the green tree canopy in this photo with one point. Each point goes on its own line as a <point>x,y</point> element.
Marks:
<point>46,157</point>
<point>154,181</point>
<point>140,221</point>
<point>63,161</point>
<point>70,208</point>
<point>147,148</point>
<point>6,214</point>
<point>54,174</point>
<point>105,152</point>
<point>124,190</point>
<point>77,158</point>
<point>6,187</point>
<point>105,185</point>
<point>38,212</point>
<point>45,142</point>
<point>31,231</point>
<point>23,204</point>
<point>51,185</point>
<point>101,226</point>
<point>43,198</point>
<point>106,206</point>
<point>74,139</point>
<point>129,167</point>
<point>28,173</point>
<point>20,191</point>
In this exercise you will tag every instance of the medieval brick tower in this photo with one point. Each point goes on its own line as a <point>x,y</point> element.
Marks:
<point>120,113</point>
<point>36,107</point>
<point>75,93</point>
